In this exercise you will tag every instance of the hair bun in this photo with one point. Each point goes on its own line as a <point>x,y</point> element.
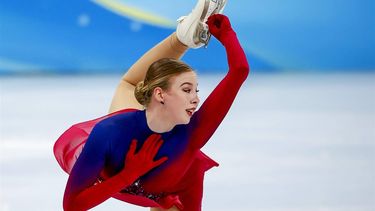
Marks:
<point>140,93</point>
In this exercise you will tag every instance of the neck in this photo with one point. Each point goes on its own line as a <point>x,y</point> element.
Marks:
<point>158,120</point>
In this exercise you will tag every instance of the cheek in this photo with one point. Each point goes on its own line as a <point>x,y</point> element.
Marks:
<point>181,102</point>
<point>178,101</point>
<point>175,102</point>
<point>180,98</point>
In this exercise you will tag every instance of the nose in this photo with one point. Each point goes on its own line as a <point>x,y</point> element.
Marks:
<point>195,100</point>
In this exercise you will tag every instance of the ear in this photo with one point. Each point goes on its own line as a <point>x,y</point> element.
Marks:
<point>158,94</point>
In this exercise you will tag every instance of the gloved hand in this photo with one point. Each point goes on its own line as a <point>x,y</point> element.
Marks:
<point>139,164</point>
<point>219,26</point>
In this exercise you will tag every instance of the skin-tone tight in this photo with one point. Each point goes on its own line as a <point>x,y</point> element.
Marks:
<point>124,97</point>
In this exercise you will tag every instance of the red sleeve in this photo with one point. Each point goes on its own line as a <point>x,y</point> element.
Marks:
<point>82,191</point>
<point>96,194</point>
<point>216,106</point>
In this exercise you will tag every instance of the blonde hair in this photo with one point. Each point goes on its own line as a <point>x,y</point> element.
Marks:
<point>158,75</point>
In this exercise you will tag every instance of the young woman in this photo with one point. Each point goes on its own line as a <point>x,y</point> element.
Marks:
<point>147,150</point>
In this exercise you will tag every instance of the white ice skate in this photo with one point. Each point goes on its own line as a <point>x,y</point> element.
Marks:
<point>192,29</point>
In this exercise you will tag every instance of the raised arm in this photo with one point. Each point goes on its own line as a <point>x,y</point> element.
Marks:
<point>83,190</point>
<point>124,94</point>
<point>216,106</point>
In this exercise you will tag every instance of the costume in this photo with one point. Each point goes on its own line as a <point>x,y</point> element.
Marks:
<point>106,140</point>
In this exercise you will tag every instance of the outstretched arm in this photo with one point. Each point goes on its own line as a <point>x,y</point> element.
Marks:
<point>124,94</point>
<point>216,106</point>
<point>82,193</point>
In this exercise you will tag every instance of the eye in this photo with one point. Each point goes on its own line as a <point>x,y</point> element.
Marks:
<point>187,90</point>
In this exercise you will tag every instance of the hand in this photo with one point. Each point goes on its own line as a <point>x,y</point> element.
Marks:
<point>139,164</point>
<point>219,25</point>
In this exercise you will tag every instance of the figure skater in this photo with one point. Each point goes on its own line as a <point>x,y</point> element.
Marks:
<point>146,151</point>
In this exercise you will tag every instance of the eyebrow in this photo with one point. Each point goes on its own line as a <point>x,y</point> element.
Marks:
<point>186,83</point>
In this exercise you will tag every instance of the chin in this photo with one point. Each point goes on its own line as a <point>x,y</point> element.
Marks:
<point>185,121</point>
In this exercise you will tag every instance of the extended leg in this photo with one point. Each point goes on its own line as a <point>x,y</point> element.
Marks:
<point>123,98</point>
<point>170,47</point>
<point>192,31</point>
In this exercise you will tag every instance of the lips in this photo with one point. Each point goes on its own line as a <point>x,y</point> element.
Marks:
<point>190,111</point>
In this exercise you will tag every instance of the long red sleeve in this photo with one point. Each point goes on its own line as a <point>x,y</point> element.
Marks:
<point>217,105</point>
<point>96,194</point>
<point>80,192</point>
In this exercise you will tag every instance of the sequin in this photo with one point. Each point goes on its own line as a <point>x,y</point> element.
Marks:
<point>137,189</point>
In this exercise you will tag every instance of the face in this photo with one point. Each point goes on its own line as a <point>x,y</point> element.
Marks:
<point>181,99</point>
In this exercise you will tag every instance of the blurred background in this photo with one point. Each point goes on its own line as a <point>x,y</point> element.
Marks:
<point>300,135</point>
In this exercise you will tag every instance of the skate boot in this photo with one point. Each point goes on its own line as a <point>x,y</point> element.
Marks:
<point>192,29</point>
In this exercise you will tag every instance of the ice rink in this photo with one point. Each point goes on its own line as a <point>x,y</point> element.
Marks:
<point>291,142</point>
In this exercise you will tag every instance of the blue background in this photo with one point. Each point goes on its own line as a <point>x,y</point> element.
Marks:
<point>50,36</point>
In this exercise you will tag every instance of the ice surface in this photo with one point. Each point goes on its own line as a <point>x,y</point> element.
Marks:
<point>290,142</point>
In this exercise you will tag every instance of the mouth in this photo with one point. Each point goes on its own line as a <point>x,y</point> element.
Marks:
<point>190,111</point>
